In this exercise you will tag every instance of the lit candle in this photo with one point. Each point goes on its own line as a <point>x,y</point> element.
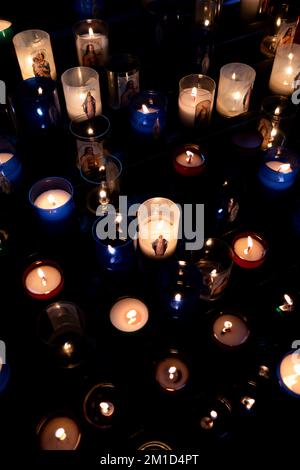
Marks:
<point>148,113</point>
<point>230,330</point>
<point>249,250</point>
<point>172,374</point>
<point>158,220</point>
<point>285,71</point>
<point>235,87</point>
<point>59,433</point>
<point>287,306</point>
<point>100,405</point>
<point>82,93</point>
<point>91,42</point>
<point>52,199</point>
<point>189,160</point>
<point>289,373</point>
<point>10,167</point>
<point>279,168</point>
<point>129,315</point>
<point>5,30</point>
<point>194,104</point>
<point>34,53</point>
<point>43,280</point>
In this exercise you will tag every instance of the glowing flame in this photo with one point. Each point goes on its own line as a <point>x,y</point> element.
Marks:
<point>284,168</point>
<point>248,402</point>
<point>206,23</point>
<point>42,277</point>
<point>237,95</point>
<point>213,414</point>
<point>40,90</point>
<point>51,200</point>
<point>189,156</point>
<point>68,348</point>
<point>249,247</point>
<point>289,70</point>
<point>227,326</point>
<point>102,194</point>
<point>233,76</point>
<point>273,132</point>
<point>177,297</point>
<point>106,408</point>
<point>194,92</point>
<point>145,109</point>
<point>60,434</point>
<point>277,111</point>
<point>213,273</point>
<point>172,371</point>
<point>278,22</point>
<point>131,317</point>
<point>291,56</point>
<point>288,299</point>
<point>91,32</point>
<point>102,168</point>
<point>90,131</point>
<point>111,249</point>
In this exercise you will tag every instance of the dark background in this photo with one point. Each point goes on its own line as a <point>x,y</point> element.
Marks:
<point>166,46</point>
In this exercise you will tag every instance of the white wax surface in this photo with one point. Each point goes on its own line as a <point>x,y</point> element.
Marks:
<point>236,335</point>
<point>48,439</point>
<point>37,285</point>
<point>52,199</point>
<point>5,157</point>
<point>183,158</point>
<point>151,229</point>
<point>4,25</point>
<point>275,165</point>
<point>187,104</point>
<point>129,315</point>
<point>255,253</point>
<point>290,372</point>
<point>163,374</point>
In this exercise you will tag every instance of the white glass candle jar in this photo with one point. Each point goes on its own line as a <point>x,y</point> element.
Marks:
<point>91,42</point>
<point>82,93</point>
<point>158,220</point>
<point>196,99</point>
<point>235,87</point>
<point>286,70</point>
<point>34,53</point>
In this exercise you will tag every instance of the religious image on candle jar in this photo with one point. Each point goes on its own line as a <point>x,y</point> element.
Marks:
<point>91,42</point>
<point>89,105</point>
<point>40,65</point>
<point>128,86</point>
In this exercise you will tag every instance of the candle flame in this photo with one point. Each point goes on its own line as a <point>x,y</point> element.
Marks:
<point>227,327</point>
<point>289,70</point>
<point>60,434</point>
<point>194,92</point>
<point>206,23</point>
<point>213,273</point>
<point>91,32</point>
<point>177,297</point>
<point>248,402</point>
<point>40,90</point>
<point>189,156</point>
<point>233,77</point>
<point>172,371</point>
<point>278,22</point>
<point>42,277</point>
<point>213,414</point>
<point>145,109</point>
<point>277,111</point>
<point>131,316</point>
<point>102,194</point>
<point>288,299</point>
<point>102,168</point>
<point>90,131</point>
<point>273,132</point>
<point>284,168</point>
<point>106,408</point>
<point>51,200</point>
<point>111,249</point>
<point>68,348</point>
<point>237,95</point>
<point>291,56</point>
<point>249,247</point>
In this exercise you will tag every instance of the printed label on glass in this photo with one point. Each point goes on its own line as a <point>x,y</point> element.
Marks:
<point>128,86</point>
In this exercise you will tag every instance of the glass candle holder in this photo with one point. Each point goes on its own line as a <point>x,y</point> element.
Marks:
<point>172,374</point>
<point>61,329</point>
<point>52,199</point>
<point>82,93</point>
<point>34,53</point>
<point>282,31</point>
<point>230,331</point>
<point>235,87</point>
<point>288,373</point>
<point>215,263</point>
<point>189,160</point>
<point>158,220</point>
<point>206,12</point>
<point>115,248</point>
<point>129,315</point>
<point>277,116</point>
<point>100,406</point>
<point>43,280</point>
<point>90,138</point>
<point>148,113</point>
<point>58,432</point>
<point>10,169</point>
<point>249,250</point>
<point>6,31</point>
<point>196,100</point>
<point>214,416</point>
<point>37,104</point>
<point>91,38</point>
<point>286,70</point>
<point>279,168</point>
<point>105,178</point>
<point>123,79</point>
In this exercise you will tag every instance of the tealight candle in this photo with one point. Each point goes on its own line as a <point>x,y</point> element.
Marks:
<point>91,42</point>
<point>129,315</point>
<point>279,168</point>
<point>59,433</point>
<point>52,199</point>
<point>189,160</point>
<point>289,373</point>
<point>196,99</point>
<point>286,70</point>
<point>82,93</point>
<point>172,374</point>
<point>148,113</point>
<point>249,250</point>
<point>158,220</point>
<point>230,330</point>
<point>34,53</point>
<point>10,166</point>
<point>43,280</point>
<point>235,87</point>
<point>5,30</point>
<point>100,405</point>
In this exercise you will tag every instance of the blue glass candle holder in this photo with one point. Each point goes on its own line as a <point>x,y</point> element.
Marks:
<point>4,377</point>
<point>117,251</point>
<point>279,168</point>
<point>10,166</point>
<point>148,113</point>
<point>37,104</point>
<point>52,200</point>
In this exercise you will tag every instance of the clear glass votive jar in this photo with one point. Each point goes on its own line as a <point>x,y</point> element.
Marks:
<point>214,261</point>
<point>123,73</point>
<point>91,38</point>
<point>206,12</point>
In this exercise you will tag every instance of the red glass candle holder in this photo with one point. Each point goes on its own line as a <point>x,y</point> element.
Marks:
<point>249,250</point>
<point>189,160</point>
<point>35,280</point>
